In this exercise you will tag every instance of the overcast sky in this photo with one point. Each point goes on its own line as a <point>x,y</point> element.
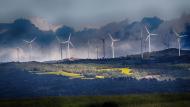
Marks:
<point>91,13</point>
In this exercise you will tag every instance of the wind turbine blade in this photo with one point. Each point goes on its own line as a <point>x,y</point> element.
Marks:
<point>116,40</point>
<point>71,44</point>
<point>176,33</point>
<point>26,41</point>
<point>153,34</point>
<point>57,39</point>
<point>110,36</point>
<point>69,37</point>
<point>147,30</point>
<point>33,40</point>
<point>183,36</point>
<point>147,37</point>
<point>64,42</point>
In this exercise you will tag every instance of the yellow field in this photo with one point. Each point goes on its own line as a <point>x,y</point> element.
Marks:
<point>100,77</point>
<point>126,71</point>
<point>73,75</point>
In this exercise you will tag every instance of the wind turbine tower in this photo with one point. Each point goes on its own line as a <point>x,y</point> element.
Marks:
<point>18,54</point>
<point>97,51</point>
<point>88,49</point>
<point>103,47</point>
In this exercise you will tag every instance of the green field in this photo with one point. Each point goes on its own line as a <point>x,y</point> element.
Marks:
<point>144,100</point>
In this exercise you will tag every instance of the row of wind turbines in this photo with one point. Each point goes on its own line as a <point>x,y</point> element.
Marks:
<point>68,43</point>
<point>178,36</point>
<point>61,43</point>
<point>148,38</point>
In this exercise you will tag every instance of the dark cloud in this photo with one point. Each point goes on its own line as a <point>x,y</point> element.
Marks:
<point>91,13</point>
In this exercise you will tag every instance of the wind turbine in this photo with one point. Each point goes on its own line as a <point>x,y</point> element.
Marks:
<point>112,44</point>
<point>29,43</point>
<point>68,42</point>
<point>179,40</point>
<point>148,38</point>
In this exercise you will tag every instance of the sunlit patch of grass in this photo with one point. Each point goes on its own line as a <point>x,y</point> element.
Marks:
<point>73,75</point>
<point>100,77</point>
<point>68,74</point>
<point>126,71</point>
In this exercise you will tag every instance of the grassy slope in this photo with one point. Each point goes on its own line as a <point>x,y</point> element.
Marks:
<point>153,100</point>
